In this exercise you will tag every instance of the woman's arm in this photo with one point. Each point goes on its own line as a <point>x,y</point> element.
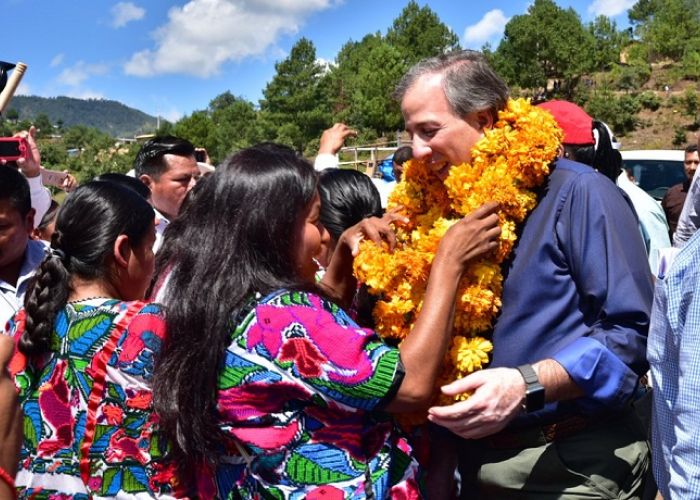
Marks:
<point>423,350</point>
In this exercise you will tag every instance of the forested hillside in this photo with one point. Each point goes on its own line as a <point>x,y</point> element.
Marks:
<point>111,117</point>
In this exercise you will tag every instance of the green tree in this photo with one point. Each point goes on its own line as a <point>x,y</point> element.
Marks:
<point>363,80</point>
<point>691,103</point>
<point>547,43</point>
<point>418,33</point>
<point>81,137</point>
<point>294,101</point>
<point>12,115</point>
<point>235,125</point>
<point>667,27</point>
<point>620,113</point>
<point>43,125</point>
<point>198,128</point>
<point>608,42</point>
<point>690,64</point>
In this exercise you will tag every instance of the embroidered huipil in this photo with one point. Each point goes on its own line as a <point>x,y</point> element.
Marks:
<point>300,392</point>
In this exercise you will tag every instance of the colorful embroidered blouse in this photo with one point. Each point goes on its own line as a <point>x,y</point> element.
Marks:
<point>300,392</point>
<point>54,391</point>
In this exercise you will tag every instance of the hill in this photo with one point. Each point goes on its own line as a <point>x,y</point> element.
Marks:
<point>111,117</point>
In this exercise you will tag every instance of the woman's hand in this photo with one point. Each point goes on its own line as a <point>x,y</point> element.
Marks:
<point>338,282</point>
<point>473,236</point>
<point>375,229</point>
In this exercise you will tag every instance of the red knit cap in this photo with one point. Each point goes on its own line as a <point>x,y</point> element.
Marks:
<point>574,121</point>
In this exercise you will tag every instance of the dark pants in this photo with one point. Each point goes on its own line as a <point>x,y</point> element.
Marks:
<point>608,461</point>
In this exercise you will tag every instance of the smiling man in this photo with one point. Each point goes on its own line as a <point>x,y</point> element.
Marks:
<point>552,415</point>
<point>167,166</point>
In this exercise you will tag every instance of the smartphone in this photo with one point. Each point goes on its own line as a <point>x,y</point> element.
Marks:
<point>53,177</point>
<point>13,148</point>
<point>200,155</point>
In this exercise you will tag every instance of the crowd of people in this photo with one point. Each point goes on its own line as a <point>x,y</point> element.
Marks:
<point>178,335</point>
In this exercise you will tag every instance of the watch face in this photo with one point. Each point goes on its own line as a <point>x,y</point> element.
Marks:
<point>534,397</point>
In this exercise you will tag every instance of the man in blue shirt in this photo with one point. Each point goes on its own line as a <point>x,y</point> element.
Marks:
<point>674,356</point>
<point>552,415</point>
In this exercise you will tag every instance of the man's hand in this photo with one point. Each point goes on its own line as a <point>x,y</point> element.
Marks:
<point>497,396</point>
<point>333,138</point>
<point>69,183</point>
<point>30,166</point>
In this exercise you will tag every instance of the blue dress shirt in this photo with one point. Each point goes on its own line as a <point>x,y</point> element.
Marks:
<point>578,290</point>
<point>674,356</point>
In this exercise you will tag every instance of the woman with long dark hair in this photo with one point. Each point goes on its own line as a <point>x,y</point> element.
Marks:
<point>347,197</point>
<point>85,348</point>
<point>262,374</point>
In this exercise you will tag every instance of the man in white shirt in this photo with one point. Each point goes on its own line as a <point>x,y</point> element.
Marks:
<point>19,255</point>
<point>167,166</point>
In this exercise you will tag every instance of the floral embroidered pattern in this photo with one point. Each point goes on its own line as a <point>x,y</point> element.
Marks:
<point>299,392</point>
<point>53,390</point>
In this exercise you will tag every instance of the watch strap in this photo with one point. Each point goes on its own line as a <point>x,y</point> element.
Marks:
<point>534,391</point>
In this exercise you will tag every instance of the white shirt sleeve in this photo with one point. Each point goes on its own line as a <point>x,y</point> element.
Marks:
<point>324,161</point>
<point>41,198</point>
<point>689,220</point>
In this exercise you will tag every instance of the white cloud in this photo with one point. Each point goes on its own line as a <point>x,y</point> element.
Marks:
<point>491,25</point>
<point>78,73</point>
<point>85,94</point>
<point>172,115</point>
<point>125,12</point>
<point>57,60</point>
<point>610,8</point>
<point>204,34</point>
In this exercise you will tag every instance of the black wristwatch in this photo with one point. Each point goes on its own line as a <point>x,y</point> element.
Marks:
<point>534,391</point>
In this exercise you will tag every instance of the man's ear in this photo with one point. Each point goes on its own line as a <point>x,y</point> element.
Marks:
<point>485,119</point>
<point>147,180</point>
<point>29,221</point>
<point>122,251</point>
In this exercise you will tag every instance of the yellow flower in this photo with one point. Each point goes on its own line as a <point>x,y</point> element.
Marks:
<point>511,160</point>
<point>469,355</point>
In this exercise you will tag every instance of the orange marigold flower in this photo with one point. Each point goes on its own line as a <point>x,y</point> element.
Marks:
<point>511,160</point>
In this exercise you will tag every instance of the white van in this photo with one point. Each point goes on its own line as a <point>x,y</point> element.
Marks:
<point>655,170</point>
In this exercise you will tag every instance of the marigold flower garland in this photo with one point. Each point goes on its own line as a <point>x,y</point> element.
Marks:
<point>511,160</point>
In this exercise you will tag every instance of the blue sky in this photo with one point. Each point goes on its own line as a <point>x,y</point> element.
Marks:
<point>172,57</point>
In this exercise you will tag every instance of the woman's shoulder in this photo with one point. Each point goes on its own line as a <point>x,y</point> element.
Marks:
<point>307,304</point>
<point>289,297</point>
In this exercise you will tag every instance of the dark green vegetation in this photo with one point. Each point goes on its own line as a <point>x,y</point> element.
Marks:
<point>643,81</point>
<point>111,117</point>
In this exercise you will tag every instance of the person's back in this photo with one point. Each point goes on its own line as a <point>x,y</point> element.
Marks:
<point>96,379</point>
<point>85,348</point>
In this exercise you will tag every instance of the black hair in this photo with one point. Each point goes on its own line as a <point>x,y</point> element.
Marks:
<point>403,154</point>
<point>149,160</point>
<point>347,197</point>
<point>126,181</point>
<point>15,189</point>
<point>87,225</point>
<point>691,148</point>
<point>601,156</point>
<point>49,216</point>
<point>237,237</point>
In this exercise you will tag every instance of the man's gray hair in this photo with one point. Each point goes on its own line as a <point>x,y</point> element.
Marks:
<point>468,81</point>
